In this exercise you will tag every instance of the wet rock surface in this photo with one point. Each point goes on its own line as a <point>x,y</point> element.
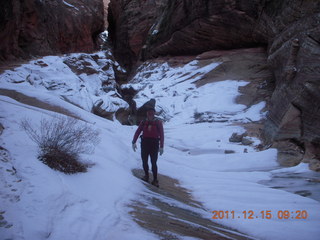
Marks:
<point>179,214</point>
<point>304,184</point>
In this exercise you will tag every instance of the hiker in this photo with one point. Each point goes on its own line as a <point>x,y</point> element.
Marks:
<point>152,136</point>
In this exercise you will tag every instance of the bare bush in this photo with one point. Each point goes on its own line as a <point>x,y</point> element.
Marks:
<point>61,141</point>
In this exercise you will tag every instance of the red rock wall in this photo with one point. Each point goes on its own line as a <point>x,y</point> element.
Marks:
<point>150,28</point>
<point>191,27</point>
<point>293,29</point>
<point>35,27</point>
<point>129,25</point>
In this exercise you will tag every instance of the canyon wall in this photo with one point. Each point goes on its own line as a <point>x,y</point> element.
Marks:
<point>293,31</point>
<point>129,25</point>
<point>142,29</point>
<point>42,27</point>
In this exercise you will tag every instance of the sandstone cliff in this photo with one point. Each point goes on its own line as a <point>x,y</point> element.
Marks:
<point>42,27</point>
<point>293,31</point>
<point>192,27</point>
<point>156,28</point>
<point>129,25</point>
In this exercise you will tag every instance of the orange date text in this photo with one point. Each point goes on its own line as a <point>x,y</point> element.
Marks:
<point>264,214</point>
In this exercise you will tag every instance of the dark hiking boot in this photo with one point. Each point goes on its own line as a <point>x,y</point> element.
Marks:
<point>155,183</point>
<point>145,178</point>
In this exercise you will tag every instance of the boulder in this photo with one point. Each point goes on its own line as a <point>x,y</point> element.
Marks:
<point>314,165</point>
<point>82,64</point>
<point>237,138</point>
<point>289,153</point>
<point>229,151</point>
<point>141,112</point>
<point>246,141</point>
<point>99,108</point>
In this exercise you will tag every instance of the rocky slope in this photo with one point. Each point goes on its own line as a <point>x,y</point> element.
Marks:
<point>289,29</point>
<point>42,27</point>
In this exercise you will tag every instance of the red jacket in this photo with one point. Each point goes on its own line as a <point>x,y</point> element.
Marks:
<point>150,129</point>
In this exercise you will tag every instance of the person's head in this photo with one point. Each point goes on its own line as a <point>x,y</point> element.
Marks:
<point>150,113</point>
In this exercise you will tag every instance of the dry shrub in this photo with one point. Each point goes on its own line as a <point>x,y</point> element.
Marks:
<point>61,141</point>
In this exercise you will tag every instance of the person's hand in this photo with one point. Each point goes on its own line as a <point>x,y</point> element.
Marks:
<point>161,151</point>
<point>134,147</point>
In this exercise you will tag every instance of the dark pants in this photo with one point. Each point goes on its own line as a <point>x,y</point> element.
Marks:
<point>150,147</point>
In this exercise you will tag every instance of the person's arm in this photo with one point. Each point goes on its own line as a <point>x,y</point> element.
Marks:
<point>137,133</point>
<point>161,134</point>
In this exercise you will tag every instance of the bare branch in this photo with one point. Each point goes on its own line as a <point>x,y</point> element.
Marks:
<point>62,137</point>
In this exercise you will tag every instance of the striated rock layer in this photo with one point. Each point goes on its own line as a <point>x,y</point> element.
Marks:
<point>35,27</point>
<point>192,27</point>
<point>151,28</point>
<point>129,25</point>
<point>293,30</point>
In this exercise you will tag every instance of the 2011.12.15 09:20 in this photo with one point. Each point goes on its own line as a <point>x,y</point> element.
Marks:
<point>264,214</point>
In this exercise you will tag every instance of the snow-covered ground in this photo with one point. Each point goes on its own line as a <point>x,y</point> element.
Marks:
<point>39,203</point>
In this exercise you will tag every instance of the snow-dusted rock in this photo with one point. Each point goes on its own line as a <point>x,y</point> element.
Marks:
<point>81,79</point>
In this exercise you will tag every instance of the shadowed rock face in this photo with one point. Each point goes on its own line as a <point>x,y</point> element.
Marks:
<point>35,27</point>
<point>294,55</point>
<point>129,25</point>
<point>149,28</point>
<point>192,27</point>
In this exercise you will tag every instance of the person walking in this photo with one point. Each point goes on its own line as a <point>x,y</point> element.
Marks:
<point>152,141</point>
